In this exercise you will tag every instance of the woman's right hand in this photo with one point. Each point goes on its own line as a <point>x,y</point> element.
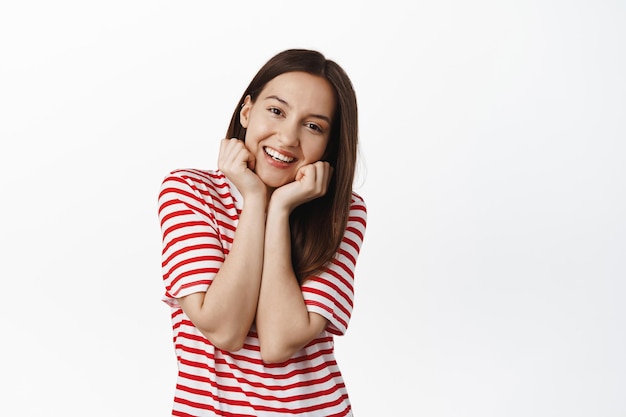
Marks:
<point>237,163</point>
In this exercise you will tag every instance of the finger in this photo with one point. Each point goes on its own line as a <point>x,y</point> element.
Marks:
<point>313,179</point>
<point>323,176</point>
<point>307,171</point>
<point>225,148</point>
<point>232,153</point>
<point>322,169</point>
<point>251,161</point>
<point>221,158</point>
<point>329,174</point>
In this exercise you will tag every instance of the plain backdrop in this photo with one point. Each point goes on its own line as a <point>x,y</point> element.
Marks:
<point>493,139</point>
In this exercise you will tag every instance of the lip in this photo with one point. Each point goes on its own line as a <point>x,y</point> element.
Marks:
<point>276,163</point>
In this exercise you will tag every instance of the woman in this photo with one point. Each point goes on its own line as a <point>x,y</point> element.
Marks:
<point>259,255</point>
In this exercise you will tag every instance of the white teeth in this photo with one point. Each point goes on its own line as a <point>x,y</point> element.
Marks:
<point>278,156</point>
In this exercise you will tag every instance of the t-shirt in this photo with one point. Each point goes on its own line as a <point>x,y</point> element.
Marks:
<point>199,211</point>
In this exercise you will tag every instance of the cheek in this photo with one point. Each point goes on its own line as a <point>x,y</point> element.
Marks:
<point>258,128</point>
<point>318,150</point>
<point>250,142</point>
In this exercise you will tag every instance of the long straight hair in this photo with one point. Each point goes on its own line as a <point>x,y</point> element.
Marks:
<point>317,226</point>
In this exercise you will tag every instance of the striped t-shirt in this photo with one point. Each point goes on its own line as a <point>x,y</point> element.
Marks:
<point>199,211</point>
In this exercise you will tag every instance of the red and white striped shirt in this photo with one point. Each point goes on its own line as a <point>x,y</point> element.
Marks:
<point>199,211</point>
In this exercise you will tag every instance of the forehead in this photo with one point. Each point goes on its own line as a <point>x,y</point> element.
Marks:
<point>302,90</point>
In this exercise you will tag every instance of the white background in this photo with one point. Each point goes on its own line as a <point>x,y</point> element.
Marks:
<point>492,278</point>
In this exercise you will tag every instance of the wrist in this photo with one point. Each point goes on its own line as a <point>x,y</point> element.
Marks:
<point>255,200</point>
<point>277,208</point>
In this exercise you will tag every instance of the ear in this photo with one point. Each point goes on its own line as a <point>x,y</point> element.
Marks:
<point>244,113</point>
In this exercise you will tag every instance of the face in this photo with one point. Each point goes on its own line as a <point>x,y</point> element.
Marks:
<point>288,126</point>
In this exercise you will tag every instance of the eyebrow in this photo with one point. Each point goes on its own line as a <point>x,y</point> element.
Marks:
<point>319,116</point>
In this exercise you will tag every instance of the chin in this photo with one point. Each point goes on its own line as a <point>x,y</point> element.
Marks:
<point>276,183</point>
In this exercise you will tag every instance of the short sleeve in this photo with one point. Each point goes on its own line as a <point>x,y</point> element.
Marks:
<point>192,252</point>
<point>330,293</point>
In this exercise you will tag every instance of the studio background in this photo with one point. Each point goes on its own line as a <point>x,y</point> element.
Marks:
<point>491,281</point>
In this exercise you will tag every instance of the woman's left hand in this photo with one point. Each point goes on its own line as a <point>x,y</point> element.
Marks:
<point>311,182</point>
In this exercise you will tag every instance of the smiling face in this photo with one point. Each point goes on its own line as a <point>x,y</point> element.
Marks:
<point>288,126</point>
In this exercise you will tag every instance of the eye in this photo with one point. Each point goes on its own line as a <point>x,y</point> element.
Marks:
<point>315,127</point>
<point>275,110</point>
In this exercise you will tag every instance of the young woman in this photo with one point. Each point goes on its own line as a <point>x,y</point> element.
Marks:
<point>259,255</point>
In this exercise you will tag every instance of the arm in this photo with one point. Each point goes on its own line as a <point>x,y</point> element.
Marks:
<point>283,322</point>
<point>225,312</point>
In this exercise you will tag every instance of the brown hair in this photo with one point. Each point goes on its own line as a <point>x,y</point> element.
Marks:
<point>317,227</point>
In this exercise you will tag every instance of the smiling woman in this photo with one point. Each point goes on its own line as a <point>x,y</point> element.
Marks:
<point>289,126</point>
<point>259,255</point>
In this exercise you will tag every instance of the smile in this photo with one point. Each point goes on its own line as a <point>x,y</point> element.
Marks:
<point>278,156</point>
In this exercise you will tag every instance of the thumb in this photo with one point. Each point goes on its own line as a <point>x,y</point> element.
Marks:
<point>251,162</point>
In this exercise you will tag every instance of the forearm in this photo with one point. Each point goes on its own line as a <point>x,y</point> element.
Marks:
<point>283,321</point>
<point>226,311</point>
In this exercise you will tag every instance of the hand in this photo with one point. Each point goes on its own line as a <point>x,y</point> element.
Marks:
<point>237,163</point>
<point>311,182</point>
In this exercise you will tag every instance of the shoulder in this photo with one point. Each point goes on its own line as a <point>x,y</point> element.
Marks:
<point>193,185</point>
<point>193,176</point>
<point>196,181</point>
<point>358,201</point>
<point>357,222</point>
<point>203,190</point>
<point>358,208</point>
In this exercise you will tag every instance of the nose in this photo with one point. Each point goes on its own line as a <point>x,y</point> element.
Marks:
<point>289,134</point>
